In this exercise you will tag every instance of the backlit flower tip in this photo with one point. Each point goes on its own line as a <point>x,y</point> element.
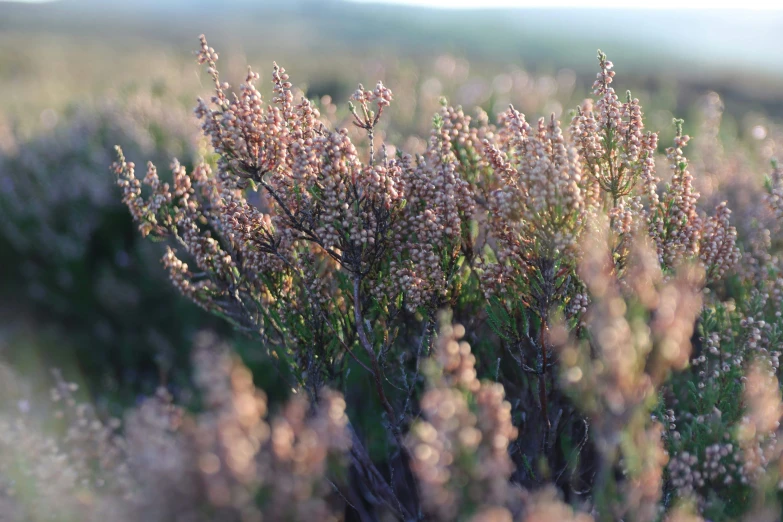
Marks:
<point>280,78</point>
<point>152,179</point>
<point>541,195</point>
<point>604,77</point>
<point>584,132</point>
<point>633,125</point>
<point>774,196</point>
<point>678,228</point>
<point>648,176</point>
<point>206,54</point>
<point>545,506</point>
<point>382,95</point>
<point>497,161</point>
<point>622,218</point>
<point>130,185</point>
<point>718,250</point>
<point>762,394</point>
<point>178,272</point>
<point>361,95</point>
<point>455,358</point>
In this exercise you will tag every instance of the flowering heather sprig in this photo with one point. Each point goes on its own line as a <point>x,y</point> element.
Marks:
<point>718,251</point>
<point>536,215</point>
<point>757,256</point>
<point>381,97</point>
<point>175,211</point>
<point>639,328</point>
<point>615,151</point>
<point>241,255</point>
<point>460,448</point>
<point>676,228</point>
<point>618,160</point>
<point>441,188</point>
<point>467,144</point>
<point>434,228</point>
<point>241,454</point>
<point>541,199</point>
<point>79,471</point>
<point>774,196</point>
<point>312,177</point>
<point>227,463</point>
<point>679,232</point>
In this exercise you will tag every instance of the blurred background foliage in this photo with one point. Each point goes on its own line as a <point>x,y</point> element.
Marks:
<point>80,289</point>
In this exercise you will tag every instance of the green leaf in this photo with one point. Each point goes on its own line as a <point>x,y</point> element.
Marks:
<point>498,318</point>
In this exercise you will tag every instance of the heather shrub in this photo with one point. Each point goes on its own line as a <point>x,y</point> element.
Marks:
<point>226,463</point>
<point>519,321</point>
<point>338,263</point>
<point>71,258</point>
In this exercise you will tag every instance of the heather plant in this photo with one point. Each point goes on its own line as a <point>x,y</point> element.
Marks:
<point>638,332</point>
<point>721,442</point>
<point>596,356</point>
<point>462,460</point>
<point>65,215</point>
<point>227,463</point>
<point>733,174</point>
<point>72,261</point>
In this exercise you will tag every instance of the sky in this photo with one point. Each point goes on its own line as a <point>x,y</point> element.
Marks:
<point>776,5</point>
<point>625,4</point>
